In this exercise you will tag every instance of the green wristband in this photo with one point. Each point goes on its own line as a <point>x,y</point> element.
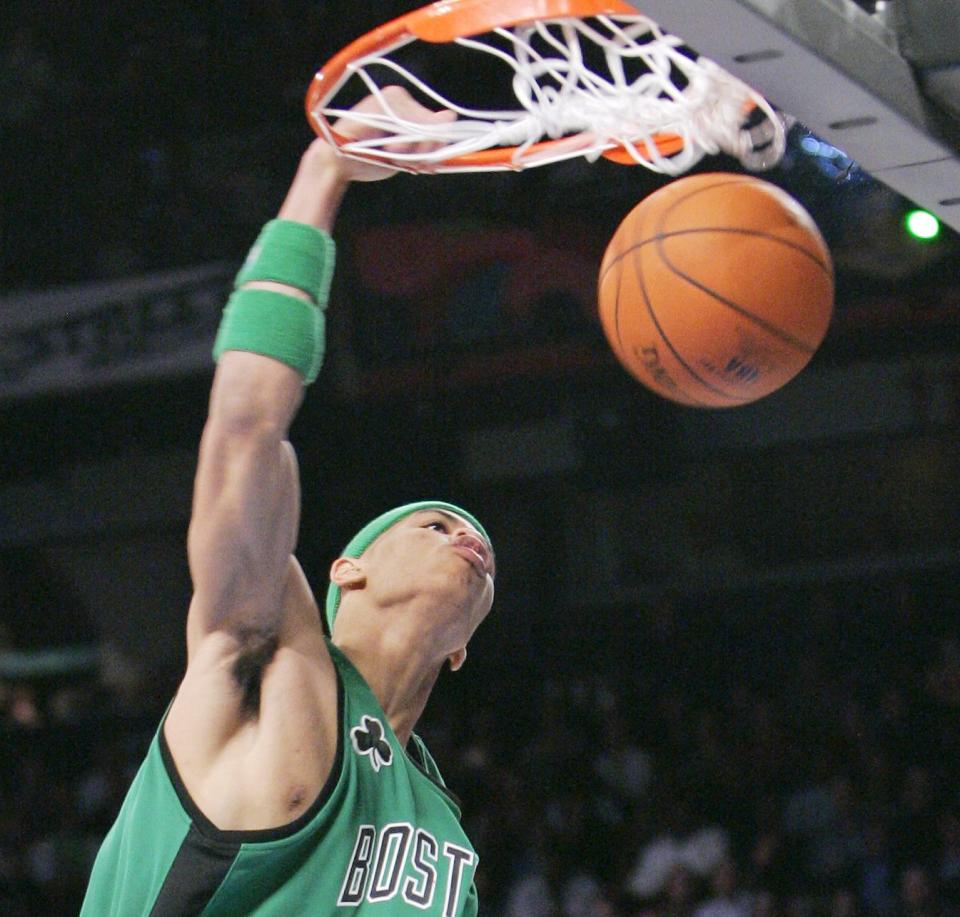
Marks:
<point>275,325</point>
<point>296,254</point>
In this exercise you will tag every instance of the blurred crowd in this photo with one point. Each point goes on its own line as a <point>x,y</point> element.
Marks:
<point>726,763</point>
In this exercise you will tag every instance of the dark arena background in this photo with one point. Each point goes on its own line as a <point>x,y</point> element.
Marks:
<point>722,674</point>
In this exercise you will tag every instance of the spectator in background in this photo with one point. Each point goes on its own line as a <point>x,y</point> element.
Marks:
<point>554,887</point>
<point>23,709</point>
<point>918,897</point>
<point>765,905</point>
<point>679,895</point>
<point>942,684</point>
<point>726,899</point>
<point>59,861</point>
<point>844,904</point>
<point>836,852</point>
<point>948,859</point>
<point>771,861</point>
<point>624,769</point>
<point>915,820</point>
<point>877,872</point>
<point>583,897</point>
<point>684,848</point>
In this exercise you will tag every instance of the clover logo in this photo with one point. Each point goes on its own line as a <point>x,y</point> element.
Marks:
<point>368,739</point>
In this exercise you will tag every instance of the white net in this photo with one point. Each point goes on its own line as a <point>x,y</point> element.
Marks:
<point>587,86</point>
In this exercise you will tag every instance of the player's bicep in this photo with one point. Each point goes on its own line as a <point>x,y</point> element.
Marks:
<point>242,531</point>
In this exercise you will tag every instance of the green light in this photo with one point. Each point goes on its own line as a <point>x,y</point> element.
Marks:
<point>922,225</point>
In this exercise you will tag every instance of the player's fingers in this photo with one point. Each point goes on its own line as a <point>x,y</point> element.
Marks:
<point>432,140</point>
<point>405,106</point>
<point>433,143</point>
<point>397,103</point>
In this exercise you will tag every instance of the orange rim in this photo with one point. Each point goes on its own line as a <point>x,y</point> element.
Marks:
<point>445,21</point>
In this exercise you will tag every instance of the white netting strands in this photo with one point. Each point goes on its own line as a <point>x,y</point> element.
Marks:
<point>613,85</point>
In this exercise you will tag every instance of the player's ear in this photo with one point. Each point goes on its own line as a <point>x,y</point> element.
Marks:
<point>457,658</point>
<point>346,573</point>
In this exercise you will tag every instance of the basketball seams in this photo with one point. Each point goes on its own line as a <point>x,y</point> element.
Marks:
<point>658,229</point>
<point>763,323</point>
<point>616,314</point>
<point>659,237</point>
<point>756,233</point>
<point>721,182</point>
<point>666,340</point>
<point>769,327</point>
<point>624,352</point>
<point>617,340</point>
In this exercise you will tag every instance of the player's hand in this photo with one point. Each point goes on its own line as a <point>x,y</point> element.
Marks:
<point>323,174</point>
<point>405,106</point>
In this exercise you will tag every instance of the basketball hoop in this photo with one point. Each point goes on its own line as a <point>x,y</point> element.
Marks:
<point>589,78</point>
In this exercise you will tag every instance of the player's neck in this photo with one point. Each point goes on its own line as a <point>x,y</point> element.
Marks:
<point>400,676</point>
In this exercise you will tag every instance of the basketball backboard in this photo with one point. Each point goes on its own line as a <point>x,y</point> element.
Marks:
<point>837,69</point>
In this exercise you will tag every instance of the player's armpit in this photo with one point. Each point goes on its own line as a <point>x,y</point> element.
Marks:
<point>237,742</point>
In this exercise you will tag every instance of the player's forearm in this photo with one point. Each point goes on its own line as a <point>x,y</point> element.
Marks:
<point>317,188</point>
<point>281,291</point>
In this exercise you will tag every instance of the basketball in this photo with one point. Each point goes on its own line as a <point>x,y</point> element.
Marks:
<point>716,290</point>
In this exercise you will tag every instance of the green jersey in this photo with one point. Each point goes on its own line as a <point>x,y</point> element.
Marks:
<point>384,837</point>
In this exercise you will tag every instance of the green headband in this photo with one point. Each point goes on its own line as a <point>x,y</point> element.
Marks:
<point>369,533</point>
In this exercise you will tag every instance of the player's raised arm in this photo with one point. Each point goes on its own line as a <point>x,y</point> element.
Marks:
<point>246,502</point>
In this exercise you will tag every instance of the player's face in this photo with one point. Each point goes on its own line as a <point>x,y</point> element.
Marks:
<point>435,553</point>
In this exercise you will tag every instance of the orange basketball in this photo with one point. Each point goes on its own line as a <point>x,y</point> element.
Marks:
<point>716,290</point>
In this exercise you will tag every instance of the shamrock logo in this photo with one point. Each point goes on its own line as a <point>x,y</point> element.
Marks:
<point>368,740</point>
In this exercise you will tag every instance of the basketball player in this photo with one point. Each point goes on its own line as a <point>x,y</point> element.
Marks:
<point>286,778</point>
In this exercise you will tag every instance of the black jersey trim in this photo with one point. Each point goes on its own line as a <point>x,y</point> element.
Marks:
<point>211,832</point>
<point>197,871</point>
<point>414,751</point>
